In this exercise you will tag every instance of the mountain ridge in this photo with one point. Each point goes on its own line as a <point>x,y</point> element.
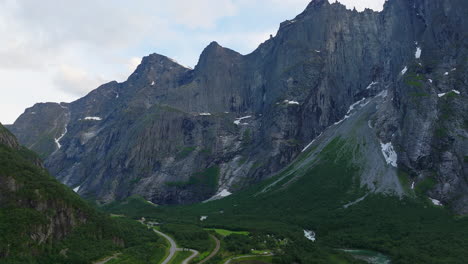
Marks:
<point>163,129</point>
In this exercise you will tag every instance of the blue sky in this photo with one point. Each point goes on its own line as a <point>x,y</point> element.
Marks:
<point>58,51</point>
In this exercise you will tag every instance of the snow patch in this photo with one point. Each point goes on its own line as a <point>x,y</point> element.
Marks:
<point>57,140</point>
<point>351,108</point>
<point>389,153</point>
<point>203,217</point>
<point>152,84</point>
<point>291,102</point>
<point>318,51</point>
<point>404,70</point>
<point>446,73</point>
<point>204,114</point>
<point>309,235</point>
<point>94,118</point>
<point>371,84</point>
<point>369,123</point>
<point>418,53</point>
<point>412,186</point>
<point>430,80</point>
<point>443,94</point>
<point>238,121</point>
<point>150,202</point>
<point>224,193</point>
<point>76,189</point>
<point>454,69</point>
<point>310,144</point>
<point>435,202</point>
<point>339,122</point>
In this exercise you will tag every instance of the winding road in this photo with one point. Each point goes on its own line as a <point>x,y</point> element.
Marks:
<point>214,252</point>
<point>194,254</point>
<point>172,249</point>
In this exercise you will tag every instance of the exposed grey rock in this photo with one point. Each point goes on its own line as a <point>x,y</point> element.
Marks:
<point>167,123</point>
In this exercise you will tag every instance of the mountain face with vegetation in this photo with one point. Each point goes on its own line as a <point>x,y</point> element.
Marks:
<point>43,221</point>
<point>179,135</point>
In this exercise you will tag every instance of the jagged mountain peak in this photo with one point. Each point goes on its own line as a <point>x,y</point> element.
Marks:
<point>215,54</point>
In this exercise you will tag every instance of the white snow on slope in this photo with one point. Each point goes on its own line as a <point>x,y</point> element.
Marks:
<point>205,114</point>
<point>389,153</point>
<point>418,53</point>
<point>351,108</point>
<point>224,193</point>
<point>430,80</point>
<point>443,94</point>
<point>94,118</point>
<point>152,84</point>
<point>238,121</point>
<point>203,217</point>
<point>436,202</point>
<point>404,70</point>
<point>310,144</point>
<point>309,235</point>
<point>371,84</point>
<point>339,122</point>
<point>57,140</point>
<point>446,73</point>
<point>76,189</point>
<point>291,102</point>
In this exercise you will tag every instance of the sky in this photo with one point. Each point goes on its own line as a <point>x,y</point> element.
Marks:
<point>58,51</point>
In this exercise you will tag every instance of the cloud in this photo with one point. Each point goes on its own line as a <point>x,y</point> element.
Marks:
<point>200,14</point>
<point>76,81</point>
<point>133,63</point>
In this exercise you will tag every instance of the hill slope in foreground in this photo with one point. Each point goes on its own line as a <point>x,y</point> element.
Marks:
<point>43,221</point>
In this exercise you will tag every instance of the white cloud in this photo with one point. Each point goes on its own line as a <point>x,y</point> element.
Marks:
<point>201,14</point>
<point>76,81</point>
<point>133,63</point>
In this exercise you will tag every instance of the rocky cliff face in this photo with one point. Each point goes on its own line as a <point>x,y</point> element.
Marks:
<point>177,135</point>
<point>34,208</point>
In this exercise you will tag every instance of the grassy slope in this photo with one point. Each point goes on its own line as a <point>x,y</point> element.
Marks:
<point>100,236</point>
<point>410,230</point>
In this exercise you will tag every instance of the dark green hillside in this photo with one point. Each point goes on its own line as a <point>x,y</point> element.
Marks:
<point>409,230</point>
<point>42,221</point>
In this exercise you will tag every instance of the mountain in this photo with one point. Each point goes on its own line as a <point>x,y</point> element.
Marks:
<point>178,135</point>
<point>43,221</point>
<point>316,207</point>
